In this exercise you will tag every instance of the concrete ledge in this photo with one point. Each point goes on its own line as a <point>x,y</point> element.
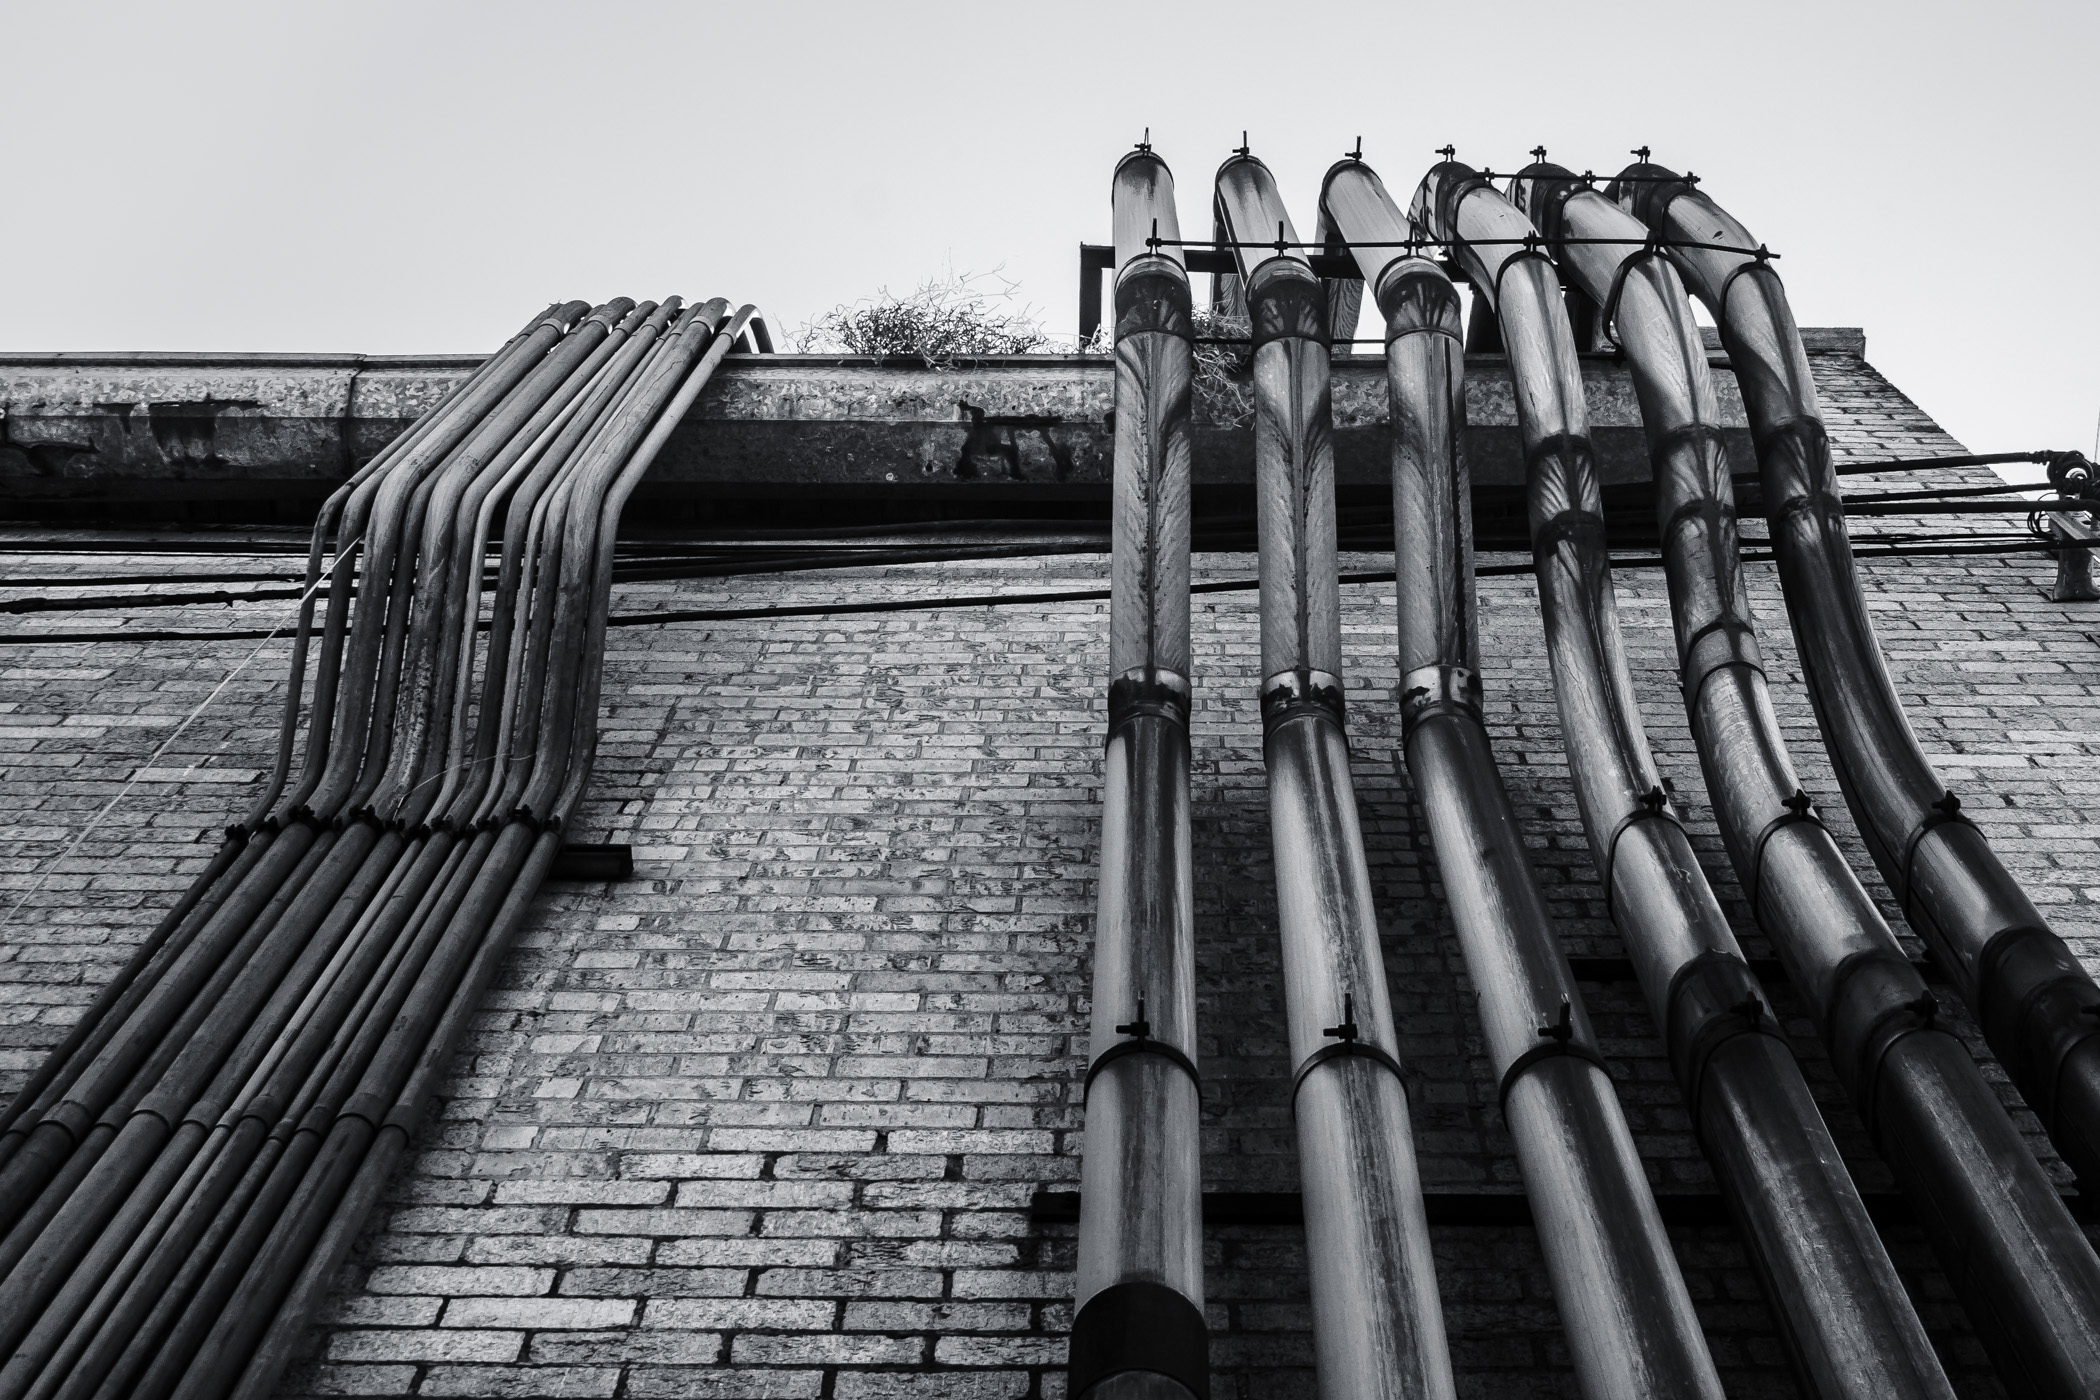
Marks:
<point>267,436</point>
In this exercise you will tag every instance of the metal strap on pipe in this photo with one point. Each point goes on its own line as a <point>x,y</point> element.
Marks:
<point>1341,1050</point>
<point>1138,1045</point>
<point>1799,808</point>
<point>1654,806</point>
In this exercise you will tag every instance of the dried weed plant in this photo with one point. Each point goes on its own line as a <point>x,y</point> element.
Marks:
<point>1224,373</point>
<point>951,317</point>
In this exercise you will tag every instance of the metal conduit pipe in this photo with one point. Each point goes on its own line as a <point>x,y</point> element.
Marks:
<point>1630,1321</point>
<point>67,1121</point>
<point>2039,1008</point>
<point>1377,1328</point>
<point>113,1009</point>
<point>339,863</point>
<point>244,841</point>
<point>150,1268</point>
<point>235,1269</point>
<point>1842,1308</point>
<point>85,1220</point>
<point>1139,1331</point>
<point>2021,1264</point>
<point>245,1319</point>
<point>274,1349</point>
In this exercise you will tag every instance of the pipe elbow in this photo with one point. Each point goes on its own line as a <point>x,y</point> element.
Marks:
<point>1141,168</point>
<point>1541,192</point>
<point>1435,204</point>
<point>1142,209</point>
<point>1646,190</point>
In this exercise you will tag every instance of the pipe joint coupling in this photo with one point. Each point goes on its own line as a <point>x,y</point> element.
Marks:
<point>1876,998</point>
<point>1438,197</point>
<point>370,1107</point>
<point>2037,1005</point>
<point>1139,1326</point>
<point>1430,691</point>
<point>1147,690</point>
<point>1286,302</point>
<point>1152,294</point>
<point>68,1117</point>
<point>1793,465</point>
<point>1292,695</point>
<point>1726,641</point>
<point>1416,296</point>
<point>1712,999</point>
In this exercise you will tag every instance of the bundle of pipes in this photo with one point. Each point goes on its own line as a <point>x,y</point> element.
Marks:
<point>2024,1271</point>
<point>183,1175</point>
<point>2038,1007</point>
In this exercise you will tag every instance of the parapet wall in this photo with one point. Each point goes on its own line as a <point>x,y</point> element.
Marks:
<point>265,437</point>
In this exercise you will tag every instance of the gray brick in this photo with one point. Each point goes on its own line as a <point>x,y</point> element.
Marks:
<point>569,1313</point>
<point>430,1344</point>
<point>438,1279</point>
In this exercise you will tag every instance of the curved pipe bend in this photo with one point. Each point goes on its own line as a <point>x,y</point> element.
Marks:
<point>2039,1008</point>
<point>1844,1309</point>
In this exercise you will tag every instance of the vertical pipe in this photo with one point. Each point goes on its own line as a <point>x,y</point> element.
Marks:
<point>1377,1328</point>
<point>1630,1320</point>
<point>1139,1331</point>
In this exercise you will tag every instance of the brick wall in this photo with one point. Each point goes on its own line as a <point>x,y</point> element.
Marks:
<point>767,1120</point>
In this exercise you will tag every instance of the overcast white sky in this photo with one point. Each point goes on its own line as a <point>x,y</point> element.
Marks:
<point>381,177</point>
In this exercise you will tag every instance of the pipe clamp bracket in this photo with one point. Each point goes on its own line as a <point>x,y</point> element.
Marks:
<point>1654,806</point>
<point>1555,1040</point>
<point>1799,808</point>
<point>1943,812</point>
<point>1343,1050</point>
<point>1138,1045</point>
